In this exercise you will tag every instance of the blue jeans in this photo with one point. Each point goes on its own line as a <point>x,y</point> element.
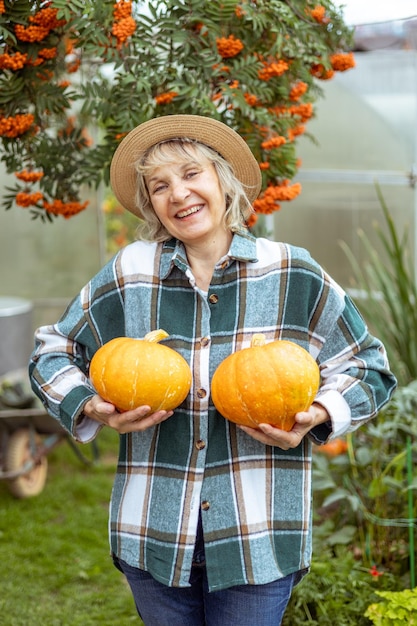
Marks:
<point>243,605</point>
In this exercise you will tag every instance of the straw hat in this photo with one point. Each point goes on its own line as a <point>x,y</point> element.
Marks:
<point>211,132</point>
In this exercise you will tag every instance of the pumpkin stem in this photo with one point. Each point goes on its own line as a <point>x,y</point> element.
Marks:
<point>258,339</point>
<point>156,335</point>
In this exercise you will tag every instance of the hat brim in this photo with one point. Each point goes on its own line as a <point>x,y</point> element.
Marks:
<point>206,130</point>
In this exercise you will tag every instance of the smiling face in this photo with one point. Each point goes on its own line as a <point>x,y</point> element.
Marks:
<point>187,151</point>
<point>188,200</point>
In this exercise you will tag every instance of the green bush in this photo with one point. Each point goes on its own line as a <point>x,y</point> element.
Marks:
<point>362,496</point>
<point>395,609</point>
<point>337,590</point>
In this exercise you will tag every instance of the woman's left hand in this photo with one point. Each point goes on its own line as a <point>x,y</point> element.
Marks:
<point>304,422</point>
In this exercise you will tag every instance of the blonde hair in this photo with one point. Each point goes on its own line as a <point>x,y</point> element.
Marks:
<point>238,207</point>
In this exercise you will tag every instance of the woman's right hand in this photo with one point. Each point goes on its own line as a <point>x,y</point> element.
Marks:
<point>137,420</point>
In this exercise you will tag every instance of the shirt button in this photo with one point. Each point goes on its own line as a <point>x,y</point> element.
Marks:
<point>205,342</point>
<point>214,298</point>
<point>201,393</point>
<point>200,444</point>
<point>205,505</point>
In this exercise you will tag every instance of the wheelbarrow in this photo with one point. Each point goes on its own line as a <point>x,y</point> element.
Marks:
<point>27,435</point>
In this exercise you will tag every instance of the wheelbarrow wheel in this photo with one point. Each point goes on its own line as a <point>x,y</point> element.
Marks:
<point>19,452</point>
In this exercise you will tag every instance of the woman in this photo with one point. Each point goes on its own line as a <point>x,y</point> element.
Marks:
<point>210,522</point>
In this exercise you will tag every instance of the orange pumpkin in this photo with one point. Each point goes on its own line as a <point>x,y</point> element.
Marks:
<point>265,383</point>
<point>133,372</point>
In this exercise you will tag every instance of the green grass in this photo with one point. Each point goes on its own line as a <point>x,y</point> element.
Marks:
<point>56,569</point>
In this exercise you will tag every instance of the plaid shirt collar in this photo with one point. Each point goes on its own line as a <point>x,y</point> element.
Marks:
<point>243,248</point>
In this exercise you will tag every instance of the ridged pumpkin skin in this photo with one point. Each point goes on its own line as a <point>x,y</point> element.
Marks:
<point>265,383</point>
<point>133,372</point>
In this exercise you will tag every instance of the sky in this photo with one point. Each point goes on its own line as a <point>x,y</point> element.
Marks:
<point>368,11</point>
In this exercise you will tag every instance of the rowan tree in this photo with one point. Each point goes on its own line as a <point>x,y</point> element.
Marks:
<point>77,75</point>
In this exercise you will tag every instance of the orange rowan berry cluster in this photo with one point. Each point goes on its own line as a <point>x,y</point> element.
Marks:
<point>124,24</point>
<point>165,98</point>
<point>36,62</point>
<point>272,69</point>
<point>28,199</point>
<point>12,127</point>
<point>69,45</point>
<point>298,90</point>
<point>2,7</point>
<point>47,18</point>
<point>252,219</point>
<point>123,30</point>
<point>286,192</point>
<point>319,14</point>
<point>30,33</point>
<point>73,66</point>
<point>278,110</point>
<point>342,61</point>
<point>42,23</point>
<point>48,53</point>
<point>239,12</point>
<point>319,71</point>
<point>29,176</point>
<point>66,209</point>
<point>296,131</point>
<point>303,111</point>
<point>274,142</point>
<point>13,61</point>
<point>268,202</point>
<point>229,47</point>
<point>251,99</point>
<point>122,9</point>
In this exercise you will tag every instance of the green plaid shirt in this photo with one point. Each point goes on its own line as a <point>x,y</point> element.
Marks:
<point>255,500</point>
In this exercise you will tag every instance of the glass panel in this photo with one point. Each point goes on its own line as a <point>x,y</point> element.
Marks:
<point>365,129</point>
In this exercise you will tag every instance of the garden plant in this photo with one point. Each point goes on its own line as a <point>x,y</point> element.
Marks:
<point>365,514</point>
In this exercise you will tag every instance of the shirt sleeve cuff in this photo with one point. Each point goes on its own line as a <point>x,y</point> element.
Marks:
<point>86,429</point>
<point>340,416</point>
